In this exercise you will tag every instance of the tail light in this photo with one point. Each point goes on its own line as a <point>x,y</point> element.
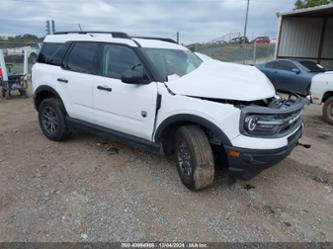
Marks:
<point>0,72</point>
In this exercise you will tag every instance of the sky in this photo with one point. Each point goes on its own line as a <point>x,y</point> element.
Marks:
<point>196,20</point>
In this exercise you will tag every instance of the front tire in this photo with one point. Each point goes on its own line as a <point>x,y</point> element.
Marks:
<point>328,110</point>
<point>194,157</point>
<point>52,120</point>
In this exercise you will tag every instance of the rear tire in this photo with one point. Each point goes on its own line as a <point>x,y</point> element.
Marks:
<point>194,157</point>
<point>52,119</point>
<point>328,110</point>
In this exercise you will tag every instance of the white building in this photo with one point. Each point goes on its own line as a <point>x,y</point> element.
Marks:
<point>307,34</point>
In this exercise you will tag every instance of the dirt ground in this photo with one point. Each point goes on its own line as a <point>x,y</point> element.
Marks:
<point>90,189</point>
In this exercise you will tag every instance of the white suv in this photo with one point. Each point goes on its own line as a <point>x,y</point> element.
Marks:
<point>157,94</point>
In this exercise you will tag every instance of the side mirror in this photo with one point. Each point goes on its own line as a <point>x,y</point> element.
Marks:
<point>296,70</point>
<point>133,77</point>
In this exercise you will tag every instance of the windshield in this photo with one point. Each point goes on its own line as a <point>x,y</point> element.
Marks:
<point>173,63</point>
<point>312,66</point>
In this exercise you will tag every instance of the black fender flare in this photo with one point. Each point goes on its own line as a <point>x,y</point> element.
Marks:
<point>45,88</point>
<point>189,118</point>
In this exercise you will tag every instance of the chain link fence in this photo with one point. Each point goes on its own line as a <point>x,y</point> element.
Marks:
<point>244,53</point>
<point>248,53</point>
<point>19,58</point>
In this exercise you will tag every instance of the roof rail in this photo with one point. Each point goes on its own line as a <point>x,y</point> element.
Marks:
<point>155,38</point>
<point>114,34</point>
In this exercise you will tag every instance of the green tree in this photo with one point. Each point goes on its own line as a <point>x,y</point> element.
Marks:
<point>301,4</point>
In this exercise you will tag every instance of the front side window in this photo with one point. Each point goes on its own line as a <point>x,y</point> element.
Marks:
<point>173,62</point>
<point>285,65</point>
<point>83,58</point>
<point>117,59</point>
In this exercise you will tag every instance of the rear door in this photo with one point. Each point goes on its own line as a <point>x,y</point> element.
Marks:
<point>77,77</point>
<point>127,108</point>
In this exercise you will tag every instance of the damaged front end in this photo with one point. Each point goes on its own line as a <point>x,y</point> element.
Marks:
<point>266,120</point>
<point>277,118</point>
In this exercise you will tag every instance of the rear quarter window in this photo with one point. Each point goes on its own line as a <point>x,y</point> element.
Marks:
<point>52,53</point>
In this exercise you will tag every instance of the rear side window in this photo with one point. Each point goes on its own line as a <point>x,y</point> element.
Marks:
<point>83,58</point>
<point>52,53</point>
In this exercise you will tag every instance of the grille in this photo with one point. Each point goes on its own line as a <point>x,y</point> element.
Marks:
<point>291,122</point>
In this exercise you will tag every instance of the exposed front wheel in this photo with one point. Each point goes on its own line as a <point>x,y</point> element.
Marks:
<point>52,119</point>
<point>328,110</point>
<point>194,157</point>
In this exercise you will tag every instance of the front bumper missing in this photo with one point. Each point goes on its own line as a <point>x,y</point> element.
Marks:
<point>250,162</point>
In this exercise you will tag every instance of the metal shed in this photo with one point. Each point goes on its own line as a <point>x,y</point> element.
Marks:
<point>307,34</point>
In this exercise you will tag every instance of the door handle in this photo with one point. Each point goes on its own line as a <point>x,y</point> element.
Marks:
<point>62,80</point>
<point>104,88</point>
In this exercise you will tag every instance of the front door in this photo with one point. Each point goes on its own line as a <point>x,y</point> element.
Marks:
<point>128,108</point>
<point>286,78</point>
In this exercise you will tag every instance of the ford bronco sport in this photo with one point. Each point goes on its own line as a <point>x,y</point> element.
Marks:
<point>157,94</point>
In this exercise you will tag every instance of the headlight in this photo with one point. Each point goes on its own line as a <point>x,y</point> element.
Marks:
<point>262,124</point>
<point>279,119</point>
<point>267,125</point>
<point>251,123</point>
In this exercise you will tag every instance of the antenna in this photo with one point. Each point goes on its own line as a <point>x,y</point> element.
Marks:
<point>80,27</point>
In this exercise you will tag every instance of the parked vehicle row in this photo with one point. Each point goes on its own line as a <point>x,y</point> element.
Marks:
<point>244,39</point>
<point>160,95</point>
<point>303,77</point>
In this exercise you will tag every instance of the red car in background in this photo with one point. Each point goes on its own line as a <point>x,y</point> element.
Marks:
<point>262,40</point>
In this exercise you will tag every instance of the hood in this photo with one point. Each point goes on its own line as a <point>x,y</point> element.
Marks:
<point>326,76</point>
<point>220,80</point>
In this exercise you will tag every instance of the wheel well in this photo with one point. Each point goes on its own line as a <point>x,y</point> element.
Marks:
<point>166,137</point>
<point>41,96</point>
<point>45,92</point>
<point>327,95</point>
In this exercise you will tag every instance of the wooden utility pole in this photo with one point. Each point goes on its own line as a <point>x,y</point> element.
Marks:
<point>246,18</point>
